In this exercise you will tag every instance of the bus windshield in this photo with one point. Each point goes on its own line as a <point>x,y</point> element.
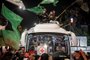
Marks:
<point>51,42</point>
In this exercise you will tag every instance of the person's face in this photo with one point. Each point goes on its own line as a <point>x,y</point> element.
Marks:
<point>20,28</point>
<point>53,11</point>
<point>44,10</point>
<point>76,55</point>
<point>23,49</point>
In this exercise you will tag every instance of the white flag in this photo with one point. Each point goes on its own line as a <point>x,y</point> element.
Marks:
<point>19,3</point>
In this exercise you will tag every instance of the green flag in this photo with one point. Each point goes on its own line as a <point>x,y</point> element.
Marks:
<point>38,9</point>
<point>50,1</point>
<point>11,36</point>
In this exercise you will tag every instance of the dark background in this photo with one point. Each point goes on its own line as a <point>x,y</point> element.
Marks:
<point>30,18</point>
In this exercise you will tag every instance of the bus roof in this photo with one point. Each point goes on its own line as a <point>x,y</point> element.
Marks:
<point>47,27</point>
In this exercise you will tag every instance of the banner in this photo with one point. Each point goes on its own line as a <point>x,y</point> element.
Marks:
<point>11,38</point>
<point>38,9</point>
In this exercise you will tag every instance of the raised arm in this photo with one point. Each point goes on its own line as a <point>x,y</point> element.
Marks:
<point>83,55</point>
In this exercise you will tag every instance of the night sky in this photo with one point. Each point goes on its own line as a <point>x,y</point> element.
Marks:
<point>29,18</point>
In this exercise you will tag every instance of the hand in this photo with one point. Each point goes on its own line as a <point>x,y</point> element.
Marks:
<point>2,27</point>
<point>81,51</point>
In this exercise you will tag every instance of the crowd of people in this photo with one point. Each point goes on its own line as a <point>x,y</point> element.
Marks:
<point>10,54</point>
<point>7,53</point>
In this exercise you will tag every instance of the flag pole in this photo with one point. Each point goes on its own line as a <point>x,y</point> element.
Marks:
<point>65,9</point>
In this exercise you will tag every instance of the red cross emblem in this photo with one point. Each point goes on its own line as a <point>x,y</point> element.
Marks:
<point>42,50</point>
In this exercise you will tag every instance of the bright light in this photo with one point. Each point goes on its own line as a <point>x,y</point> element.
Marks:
<point>20,7</point>
<point>45,45</point>
<point>71,20</point>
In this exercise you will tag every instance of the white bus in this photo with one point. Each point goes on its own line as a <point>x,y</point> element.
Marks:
<point>48,38</point>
